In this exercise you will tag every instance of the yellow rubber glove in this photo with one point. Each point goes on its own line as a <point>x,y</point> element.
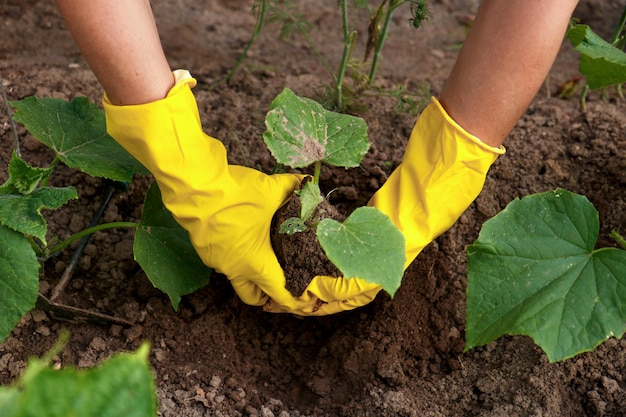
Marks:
<point>226,209</point>
<point>442,172</point>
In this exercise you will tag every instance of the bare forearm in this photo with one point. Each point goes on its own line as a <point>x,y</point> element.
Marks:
<point>119,40</point>
<point>503,63</point>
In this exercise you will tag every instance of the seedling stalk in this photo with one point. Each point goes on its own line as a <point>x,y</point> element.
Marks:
<point>261,6</point>
<point>86,232</point>
<point>349,40</point>
<point>316,172</point>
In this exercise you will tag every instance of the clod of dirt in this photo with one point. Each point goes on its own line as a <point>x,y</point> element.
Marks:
<point>300,254</point>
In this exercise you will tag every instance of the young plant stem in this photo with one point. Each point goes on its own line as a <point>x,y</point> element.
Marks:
<point>618,238</point>
<point>619,41</point>
<point>16,139</point>
<point>583,97</point>
<point>316,173</point>
<point>261,6</point>
<point>393,5</point>
<point>301,28</point>
<point>349,40</point>
<point>615,39</point>
<point>88,231</point>
<point>316,52</point>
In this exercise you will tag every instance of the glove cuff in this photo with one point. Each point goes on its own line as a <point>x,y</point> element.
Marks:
<point>442,172</point>
<point>462,133</point>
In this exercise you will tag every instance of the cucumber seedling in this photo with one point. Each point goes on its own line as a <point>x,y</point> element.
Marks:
<point>301,133</point>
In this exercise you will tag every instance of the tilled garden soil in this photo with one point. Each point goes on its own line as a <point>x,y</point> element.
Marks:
<point>216,356</point>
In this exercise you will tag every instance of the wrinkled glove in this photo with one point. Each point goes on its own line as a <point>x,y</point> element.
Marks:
<point>226,209</point>
<point>442,172</point>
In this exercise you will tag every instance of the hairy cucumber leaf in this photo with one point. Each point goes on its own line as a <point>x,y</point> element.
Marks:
<point>164,251</point>
<point>533,271</point>
<point>76,131</point>
<point>22,213</point>
<point>366,245</point>
<point>602,63</point>
<point>121,386</point>
<point>19,279</point>
<point>23,178</point>
<point>21,202</point>
<point>301,132</point>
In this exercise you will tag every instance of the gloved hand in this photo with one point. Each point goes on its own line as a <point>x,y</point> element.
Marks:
<point>226,209</point>
<point>442,172</point>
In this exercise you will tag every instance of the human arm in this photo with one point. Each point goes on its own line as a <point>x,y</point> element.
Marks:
<point>120,42</point>
<point>502,64</point>
<point>505,58</point>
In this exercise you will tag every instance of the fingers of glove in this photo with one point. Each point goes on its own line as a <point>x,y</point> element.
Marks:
<point>249,293</point>
<point>442,172</point>
<point>327,295</point>
<point>245,252</point>
<point>330,289</point>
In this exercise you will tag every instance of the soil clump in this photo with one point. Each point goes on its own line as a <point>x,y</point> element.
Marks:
<point>300,254</point>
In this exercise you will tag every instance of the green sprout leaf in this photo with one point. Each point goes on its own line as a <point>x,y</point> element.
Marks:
<point>292,226</point>
<point>301,132</point>
<point>22,213</point>
<point>121,386</point>
<point>19,279</point>
<point>164,251</point>
<point>533,271</point>
<point>366,245</point>
<point>23,178</point>
<point>21,202</point>
<point>76,132</point>
<point>310,198</point>
<point>602,63</point>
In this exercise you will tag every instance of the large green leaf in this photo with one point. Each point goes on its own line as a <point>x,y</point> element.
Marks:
<point>533,271</point>
<point>602,63</point>
<point>121,386</point>
<point>301,132</point>
<point>76,132</point>
<point>164,251</point>
<point>19,279</point>
<point>366,245</point>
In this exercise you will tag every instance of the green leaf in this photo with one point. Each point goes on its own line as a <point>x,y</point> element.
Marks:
<point>301,132</point>
<point>121,386</point>
<point>292,226</point>
<point>164,251</point>
<point>8,401</point>
<point>602,63</point>
<point>366,245</point>
<point>19,279</point>
<point>22,213</point>
<point>23,178</point>
<point>76,132</point>
<point>533,271</point>
<point>310,198</point>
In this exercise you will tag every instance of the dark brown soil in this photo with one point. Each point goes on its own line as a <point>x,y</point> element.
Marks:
<point>216,356</point>
<point>300,254</point>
